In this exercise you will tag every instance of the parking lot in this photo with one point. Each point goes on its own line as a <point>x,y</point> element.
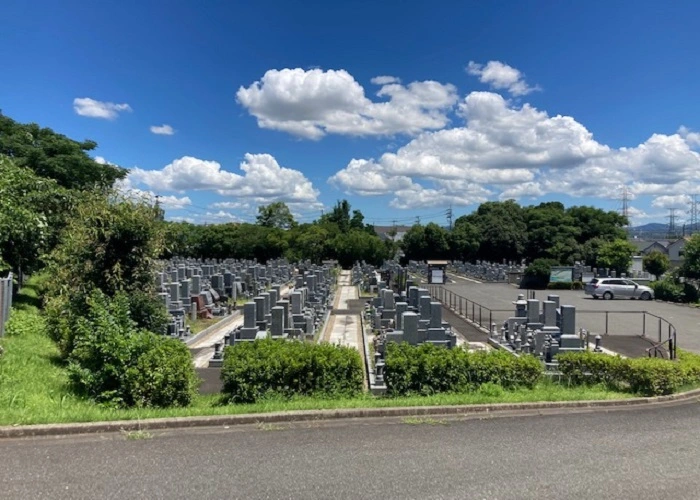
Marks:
<point>618,317</point>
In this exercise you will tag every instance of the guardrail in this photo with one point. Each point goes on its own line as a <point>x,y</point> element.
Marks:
<point>473,311</point>
<point>634,323</point>
<point>5,301</point>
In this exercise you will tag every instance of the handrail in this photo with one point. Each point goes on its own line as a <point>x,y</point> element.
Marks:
<point>477,313</point>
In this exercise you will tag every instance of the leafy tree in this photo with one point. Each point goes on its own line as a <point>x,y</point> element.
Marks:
<point>464,240</point>
<point>414,244</point>
<point>275,214</point>
<point>551,232</point>
<point>436,241</point>
<point>597,223</point>
<point>340,215</point>
<point>503,230</point>
<point>616,255</point>
<point>32,212</point>
<point>656,263</point>
<point>55,156</point>
<point>691,257</point>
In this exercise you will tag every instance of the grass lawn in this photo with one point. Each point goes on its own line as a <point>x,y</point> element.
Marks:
<point>34,389</point>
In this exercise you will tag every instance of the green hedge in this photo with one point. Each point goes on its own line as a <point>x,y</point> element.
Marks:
<point>427,369</point>
<point>272,368</point>
<point>643,376</point>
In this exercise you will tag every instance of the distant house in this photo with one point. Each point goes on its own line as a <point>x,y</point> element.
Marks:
<point>675,250</point>
<point>645,247</point>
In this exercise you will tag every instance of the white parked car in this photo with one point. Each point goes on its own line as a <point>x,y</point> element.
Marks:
<point>618,288</point>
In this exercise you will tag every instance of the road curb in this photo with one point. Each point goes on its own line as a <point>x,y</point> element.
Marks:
<point>313,415</point>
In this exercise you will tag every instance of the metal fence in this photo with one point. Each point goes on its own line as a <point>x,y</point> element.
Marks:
<point>633,323</point>
<point>473,311</point>
<point>5,301</point>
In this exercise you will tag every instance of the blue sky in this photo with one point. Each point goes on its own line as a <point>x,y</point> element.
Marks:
<point>404,108</point>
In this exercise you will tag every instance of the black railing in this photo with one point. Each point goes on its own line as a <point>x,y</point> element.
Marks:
<point>479,314</point>
<point>637,323</point>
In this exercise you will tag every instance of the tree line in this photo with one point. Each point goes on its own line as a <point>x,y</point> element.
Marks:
<point>506,231</point>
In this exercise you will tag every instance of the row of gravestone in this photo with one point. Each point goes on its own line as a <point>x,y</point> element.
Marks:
<point>409,316</point>
<point>487,271</point>
<point>203,289</point>
<point>544,332</point>
<point>295,316</point>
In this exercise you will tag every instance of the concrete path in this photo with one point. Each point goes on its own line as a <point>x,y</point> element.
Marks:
<point>642,453</point>
<point>344,328</point>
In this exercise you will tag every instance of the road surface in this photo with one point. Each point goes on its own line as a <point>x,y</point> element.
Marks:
<point>645,453</point>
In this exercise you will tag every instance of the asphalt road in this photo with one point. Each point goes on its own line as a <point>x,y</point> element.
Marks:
<point>591,313</point>
<point>641,454</point>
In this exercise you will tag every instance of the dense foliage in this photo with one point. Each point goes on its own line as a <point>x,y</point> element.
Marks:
<point>643,376</point>
<point>427,369</point>
<point>336,235</point>
<point>656,263</point>
<point>499,231</point>
<point>270,368</point>
<point>54,156</point>
<point>115,362</point>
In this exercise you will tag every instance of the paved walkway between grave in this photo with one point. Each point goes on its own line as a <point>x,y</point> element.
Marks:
<point>344,326</point>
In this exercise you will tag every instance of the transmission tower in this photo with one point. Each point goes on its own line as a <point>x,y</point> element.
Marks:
<point>693,214</point>
<point>672,220</point>
<point>625,211</point>
<point>449,217</point>
<point>418,220</point>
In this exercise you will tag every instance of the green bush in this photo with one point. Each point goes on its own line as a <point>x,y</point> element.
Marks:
<point>24,322</point>
<point>577,285</point>
<point>643,376</point>
<point>671,290</point>
<point>427,369</point>
<point>270,368</point>
<point>654,376</point>
<point>537,274</point>
<point>592,368</point>
<point>163,375</point>
<point>112,361</point>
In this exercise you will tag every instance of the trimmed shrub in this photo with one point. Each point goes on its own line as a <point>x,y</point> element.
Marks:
<point>428,369</point>
<point>671,290</point>
<point>654,377</point>
<point>592,368</point>
<point>163,375</point>
<point>268,368</point>
<point>577,285</point>
<point>24,322</point>
<point>643,376</point>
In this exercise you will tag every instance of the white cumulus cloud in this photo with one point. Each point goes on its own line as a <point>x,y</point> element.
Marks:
<point>263,179</point>
<point>85,106</point>
<point>500,76</point>
<point>671,201</point>
<point>162,129</point>
<point>313,103</point>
